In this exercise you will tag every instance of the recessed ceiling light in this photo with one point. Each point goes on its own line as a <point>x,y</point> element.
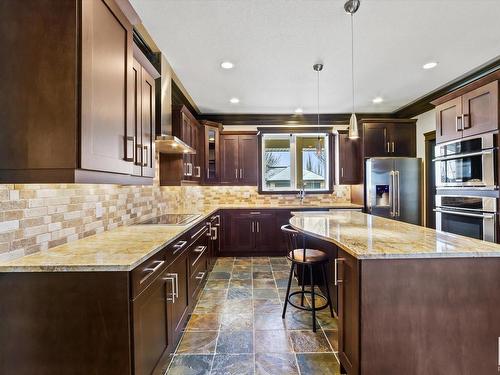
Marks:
<point>378,100</point>
<point>299,110</point>
<point>227,65</point>
<point>429,65</point>
<point>234,100</point>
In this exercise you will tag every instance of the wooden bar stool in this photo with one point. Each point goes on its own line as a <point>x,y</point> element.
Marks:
<point>312,259</point>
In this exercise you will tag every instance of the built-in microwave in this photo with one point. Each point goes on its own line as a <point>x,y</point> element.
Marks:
<point>467,163</point>
<point>469,216</point>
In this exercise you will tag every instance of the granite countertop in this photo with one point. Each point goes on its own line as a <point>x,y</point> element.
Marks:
<point>123,248</point>
<point>370,237</point>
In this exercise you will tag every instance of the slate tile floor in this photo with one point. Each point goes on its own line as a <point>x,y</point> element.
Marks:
<point>236,327</point>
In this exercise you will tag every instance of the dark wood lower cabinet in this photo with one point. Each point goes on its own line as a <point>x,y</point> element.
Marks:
<point>348,311</point>
<point>152,316</point>
<point>179,272</point>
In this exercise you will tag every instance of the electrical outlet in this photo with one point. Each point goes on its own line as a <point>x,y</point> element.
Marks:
<point>246,194</point>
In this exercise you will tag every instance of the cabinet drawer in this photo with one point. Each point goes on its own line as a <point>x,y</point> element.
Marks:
<point>199,272</point>
<point>144,274</point>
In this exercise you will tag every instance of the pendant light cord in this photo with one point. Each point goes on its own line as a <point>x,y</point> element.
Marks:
<point>318,101</point>
<point>352,59</point>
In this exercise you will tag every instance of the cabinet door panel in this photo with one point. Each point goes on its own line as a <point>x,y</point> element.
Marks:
<point>229,158</point>
<point>375,140</point>
<point>180,306</point>
<point>349,160</point>
<point>480,110</point>
<point>148,124</point>
<point>403,140</point>
<point>248,159</point>
<point>266,239</point>
<point>448,121</point>
<point>107,105</point>
<point>136,155</point>
<point>348,312</point>
<point>242,233</point>
<point>151,317</point>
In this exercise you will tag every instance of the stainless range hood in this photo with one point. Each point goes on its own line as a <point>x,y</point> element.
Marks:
<point>170,144</point>
<point>167,143</point>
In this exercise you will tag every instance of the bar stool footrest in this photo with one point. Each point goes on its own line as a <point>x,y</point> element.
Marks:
<point>306,308</point>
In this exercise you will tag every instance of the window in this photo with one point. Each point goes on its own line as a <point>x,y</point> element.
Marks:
<point>290,162</point>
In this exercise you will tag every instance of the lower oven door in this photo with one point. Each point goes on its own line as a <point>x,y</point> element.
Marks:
<point>476,225</point>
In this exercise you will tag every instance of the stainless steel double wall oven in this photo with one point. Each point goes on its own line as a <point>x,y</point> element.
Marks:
<point>467,186</point>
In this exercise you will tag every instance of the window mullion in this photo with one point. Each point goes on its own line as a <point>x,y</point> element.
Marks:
<point>293,162</point>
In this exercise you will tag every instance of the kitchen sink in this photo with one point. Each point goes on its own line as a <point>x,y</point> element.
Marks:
<point>172,219</point>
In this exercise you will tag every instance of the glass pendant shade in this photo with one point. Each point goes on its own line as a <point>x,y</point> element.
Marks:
<point>353,127</point>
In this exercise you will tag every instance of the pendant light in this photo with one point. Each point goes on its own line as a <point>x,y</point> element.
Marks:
<point>351,7</point>
<point>318,68</point>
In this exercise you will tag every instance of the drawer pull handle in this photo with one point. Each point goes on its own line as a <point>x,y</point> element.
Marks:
<point>199,232</point>
<point>200,276</point>
<point>255,213</point>
<point>171,277</point>
<point>200,250</point>
<point>178,246</point>
<point>152,270</point>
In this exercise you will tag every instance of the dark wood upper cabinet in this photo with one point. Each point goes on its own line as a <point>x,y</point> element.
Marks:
<point>473,112</point>
<point>389,137</point>
<point>248,159</point>
<point>448,120</point>
<point>350,167</point>
<point>239,159</point>
<point>229,159</point>
<point>75,123</point>
<point>142,140</point>
<point>211,152</point>
<point>176,169</point>
<point>375,140</point>
<point>480,110</point>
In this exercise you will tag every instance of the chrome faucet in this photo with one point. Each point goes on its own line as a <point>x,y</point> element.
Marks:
<point>302,194</point>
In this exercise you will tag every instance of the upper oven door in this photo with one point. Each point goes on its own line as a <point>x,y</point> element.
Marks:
<point>467,163</point>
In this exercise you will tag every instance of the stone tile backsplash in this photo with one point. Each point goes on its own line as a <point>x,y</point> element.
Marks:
<point>37,217</point>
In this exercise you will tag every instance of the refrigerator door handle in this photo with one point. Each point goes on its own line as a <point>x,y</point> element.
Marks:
<point>391,194</point>
<point>398,192</point>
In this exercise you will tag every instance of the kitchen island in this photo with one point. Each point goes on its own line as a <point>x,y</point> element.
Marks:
<point>411,300</point>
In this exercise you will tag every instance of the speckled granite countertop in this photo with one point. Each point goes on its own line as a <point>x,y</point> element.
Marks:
<point>123,248</point>
<point>371,237</point>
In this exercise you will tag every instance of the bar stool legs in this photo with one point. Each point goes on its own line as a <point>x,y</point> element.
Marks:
<point>313,297</point>
<point>325,278</point>
<point>312,292</point>
<point>288,290</point>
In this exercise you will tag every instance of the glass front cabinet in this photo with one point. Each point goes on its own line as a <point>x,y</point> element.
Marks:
<point>211,141</point>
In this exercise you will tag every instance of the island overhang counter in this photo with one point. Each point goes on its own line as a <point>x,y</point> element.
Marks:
<point>411,300</point>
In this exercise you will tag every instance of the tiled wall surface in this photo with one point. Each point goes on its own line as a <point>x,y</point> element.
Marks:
<point>38,217</point>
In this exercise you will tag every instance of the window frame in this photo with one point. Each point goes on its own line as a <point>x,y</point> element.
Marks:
<point>327,131</point>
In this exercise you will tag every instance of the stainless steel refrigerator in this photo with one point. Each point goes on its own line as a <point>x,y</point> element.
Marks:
<point>392,187</point>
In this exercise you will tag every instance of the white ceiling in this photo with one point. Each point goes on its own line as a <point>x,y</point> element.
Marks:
<point>274,43</point>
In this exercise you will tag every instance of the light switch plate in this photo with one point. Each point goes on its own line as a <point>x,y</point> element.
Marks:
<point>246,194</point>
